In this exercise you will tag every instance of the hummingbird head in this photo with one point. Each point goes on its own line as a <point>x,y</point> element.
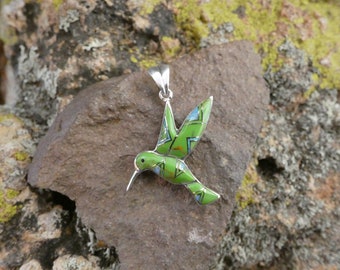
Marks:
<point>143,161</point>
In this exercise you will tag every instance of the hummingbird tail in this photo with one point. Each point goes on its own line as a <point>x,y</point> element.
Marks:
<point>203,195</point>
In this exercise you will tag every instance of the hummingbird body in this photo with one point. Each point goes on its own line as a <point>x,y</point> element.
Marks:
<point>172,169</point>
<point>174,145</point>
<point>175,171</point>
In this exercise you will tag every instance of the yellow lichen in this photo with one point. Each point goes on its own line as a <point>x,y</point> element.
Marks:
<point>6,117</point>
<point>7,209</point>
<point>21,156</point>
<point>143,61</point>
<point>312,26</point>
<point>149,5</point>
<point>57,3</point>
<point>133,59</point>
<point>189,18</point>
<point>245,194</point>
<point>11,194</point>
<point>148,62</point>
<point>171,47</point>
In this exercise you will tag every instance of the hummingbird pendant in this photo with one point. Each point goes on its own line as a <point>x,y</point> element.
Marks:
<point>174,145</point>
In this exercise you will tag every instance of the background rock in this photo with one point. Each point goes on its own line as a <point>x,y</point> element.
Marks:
<point>89,150</point>
<point>36,226</point>
<point>287,212</point>
<point>68,262</point>
<point>292,195</point>
<point>31,265</point>
<point>16,150</point>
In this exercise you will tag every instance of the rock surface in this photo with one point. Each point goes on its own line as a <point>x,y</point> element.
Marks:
<point>89,150</point>
<point>31,265</point>
<point>37,227</point>
<point>68,262</point>
<point>292,197</point>
<point>16,149</point>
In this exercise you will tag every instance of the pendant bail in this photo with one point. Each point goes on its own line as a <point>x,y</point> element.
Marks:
<point>161,76</point>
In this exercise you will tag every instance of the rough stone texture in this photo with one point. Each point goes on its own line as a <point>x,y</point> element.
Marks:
<point>292,219</point>
<point>31,265</point>
<point>77,45</point>
<point>68,262</point>
<point>36,226</point>
<point>89,150</point>
<point>286,220</point>
<point>298,224</point>
<point>42,230</point>
<point>16,150</point>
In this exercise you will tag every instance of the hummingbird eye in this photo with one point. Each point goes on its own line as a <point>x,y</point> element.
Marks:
<point>142,160</point>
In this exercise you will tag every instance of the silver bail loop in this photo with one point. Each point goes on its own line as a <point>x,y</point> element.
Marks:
<point>161,76</point>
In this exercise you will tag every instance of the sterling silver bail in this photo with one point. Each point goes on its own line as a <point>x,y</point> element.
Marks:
<point>161,76</point>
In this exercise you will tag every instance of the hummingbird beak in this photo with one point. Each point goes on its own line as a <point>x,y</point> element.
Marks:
<point>133,178</point>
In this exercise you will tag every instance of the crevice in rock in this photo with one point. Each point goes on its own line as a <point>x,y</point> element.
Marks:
<point>48,227</point>
<point>268,167</point>
<point>76,238</point>
<point>30,11</point>
<point>47,197</point>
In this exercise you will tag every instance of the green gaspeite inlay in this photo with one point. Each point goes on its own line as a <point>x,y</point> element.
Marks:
<point>173,146</point>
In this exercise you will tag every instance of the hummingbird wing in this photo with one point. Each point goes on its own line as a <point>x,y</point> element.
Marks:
<point>191,130</point>
<point>168,131</point>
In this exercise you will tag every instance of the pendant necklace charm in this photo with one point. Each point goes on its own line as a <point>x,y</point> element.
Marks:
<point>174,145</point>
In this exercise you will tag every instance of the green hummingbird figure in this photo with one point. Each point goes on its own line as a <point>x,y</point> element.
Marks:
<point>174,145</point>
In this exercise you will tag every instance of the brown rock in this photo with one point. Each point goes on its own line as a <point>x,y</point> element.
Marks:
<point>88,155</point>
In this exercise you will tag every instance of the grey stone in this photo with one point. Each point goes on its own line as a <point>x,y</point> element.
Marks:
<point>31,265</point>
<point>297,189</point>
<point>68,262</point>
<point>88,155</point>
<point>16,149</point>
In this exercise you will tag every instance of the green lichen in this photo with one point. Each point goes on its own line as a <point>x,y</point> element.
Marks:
<point>143,61</point>
<point>133,59</point>
<point>324,44</point>
<point>11,194</point>
<point>6,2</point>
<point>148,6</point>
<point>315,79</point>
<point>5,117</point>
<point>148,62</point>
<point>245,195</point>
<point>311,25</point>
<point>21,156</point>
<point>171,47</point>
<point>57,3</point>
<point>7,34</point>
<point>189,19</point>
<point>9,117</point>
<point>7,209</point>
